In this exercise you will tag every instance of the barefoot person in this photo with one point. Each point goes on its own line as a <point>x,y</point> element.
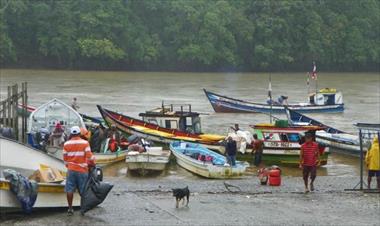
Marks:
<point>309,160</point>
<point>373,162</point>
<point>77,156</point>
<point>257,146</point>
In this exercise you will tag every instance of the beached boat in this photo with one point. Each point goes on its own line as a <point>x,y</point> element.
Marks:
<point>49,195</point>
<point>153,159</point>
<point>107,157</point>
<point>155,133</point>
<point>339,140</point>
<point>321,102</point>
<point>24,159</point>
<point>187,155</point>
<point>282,144</point>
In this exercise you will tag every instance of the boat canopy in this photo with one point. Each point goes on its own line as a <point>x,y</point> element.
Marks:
<point>49,114</point>
<point>326,96</point>
<point>173,116</point>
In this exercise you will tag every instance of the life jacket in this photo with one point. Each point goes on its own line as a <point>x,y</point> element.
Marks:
<point>112,146</point>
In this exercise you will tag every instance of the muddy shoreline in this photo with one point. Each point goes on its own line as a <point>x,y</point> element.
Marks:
<point>136,201</point>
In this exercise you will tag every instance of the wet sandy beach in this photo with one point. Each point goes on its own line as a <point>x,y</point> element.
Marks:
<point>136,201</point>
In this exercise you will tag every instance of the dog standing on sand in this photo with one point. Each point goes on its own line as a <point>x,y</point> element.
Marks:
<point>181,193</point>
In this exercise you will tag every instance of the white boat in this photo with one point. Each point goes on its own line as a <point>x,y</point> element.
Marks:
<point>49,196</point>
<point>154,159</point>
<point>44,119</point>
<point>26,160</point>
<point>341,141</point>
<point>216,168</point>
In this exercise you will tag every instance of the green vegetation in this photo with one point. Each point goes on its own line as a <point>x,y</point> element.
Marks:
<point>191,35</point>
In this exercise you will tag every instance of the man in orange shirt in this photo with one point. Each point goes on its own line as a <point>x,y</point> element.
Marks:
<point>77,156</point>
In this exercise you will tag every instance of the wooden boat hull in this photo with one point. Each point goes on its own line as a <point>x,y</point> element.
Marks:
<point>226,104</point>
<point>49,196</point>
<point>101,159</point>
<point>145,162</point>
<point>157,138</point>
<point>109,158</point>
<point>279,159</point>
<point>207,170</point>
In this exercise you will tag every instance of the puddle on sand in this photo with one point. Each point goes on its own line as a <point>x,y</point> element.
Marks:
<point>338,165</point>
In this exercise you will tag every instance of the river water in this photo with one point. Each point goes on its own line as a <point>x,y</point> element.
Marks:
<point>135,92</point>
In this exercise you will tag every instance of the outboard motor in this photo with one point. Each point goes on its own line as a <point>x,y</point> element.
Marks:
<point>42,138</point>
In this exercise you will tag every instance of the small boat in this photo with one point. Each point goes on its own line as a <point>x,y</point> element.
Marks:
<point>339,140</point>
<point>156,133</point>
<point>86,118</point>
<point>281,144</point>
<point>44,119</point>
<point>49,195</point>
<point>153,159</point>
<point>187,157</point>
<point>107,157</point>
<point>170,116</point>
<point>25,110</point>
<point>320,102</point>
<point>26,160</point>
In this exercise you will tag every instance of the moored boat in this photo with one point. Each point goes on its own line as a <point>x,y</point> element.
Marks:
<point>332,137</point>
<point>320,102</point>
<point>152,159</point>
<point>282,144</point>
<point>213,166</point>
<point>155,133</point>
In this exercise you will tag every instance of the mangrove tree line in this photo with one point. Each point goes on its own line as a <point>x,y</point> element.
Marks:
<point>191,35</point>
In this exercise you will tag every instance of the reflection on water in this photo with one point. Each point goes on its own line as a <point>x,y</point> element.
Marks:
<point>338,165</point>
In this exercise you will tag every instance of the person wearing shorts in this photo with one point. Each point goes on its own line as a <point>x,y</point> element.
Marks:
<point>77,156</point>
<point>309,160</point>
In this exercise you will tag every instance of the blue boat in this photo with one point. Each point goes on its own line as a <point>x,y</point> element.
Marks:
<point>204,162</point>
<point>324,101</point>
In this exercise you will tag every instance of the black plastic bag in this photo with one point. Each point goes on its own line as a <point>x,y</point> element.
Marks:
<point>26,191</point>
<point>94,193</point>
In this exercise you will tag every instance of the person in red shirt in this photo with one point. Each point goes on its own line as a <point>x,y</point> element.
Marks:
<point>309,160</point>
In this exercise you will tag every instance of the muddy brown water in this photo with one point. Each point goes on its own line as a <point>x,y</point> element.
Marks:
<point>135,92</point>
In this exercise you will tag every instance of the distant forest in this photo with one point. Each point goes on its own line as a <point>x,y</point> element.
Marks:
<point>191,35</point>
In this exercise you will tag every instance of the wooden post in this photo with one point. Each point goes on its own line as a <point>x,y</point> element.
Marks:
<point>4,118</point>
<point>23,112</point>
<point>14,107</point>
<point>8,123</point>
<point>26,104</point>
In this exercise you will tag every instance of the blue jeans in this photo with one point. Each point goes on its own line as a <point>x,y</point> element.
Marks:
<point>231,159</point>
<point>75,180</point>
